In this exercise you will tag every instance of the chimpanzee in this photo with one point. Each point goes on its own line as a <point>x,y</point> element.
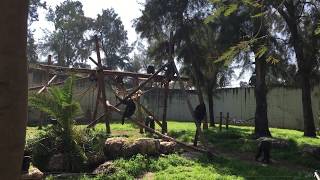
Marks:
<point>26,162</point>
<point>130,109</point>
<point>93,77</point>
<point>200,112</point>
<point>119,80</point>
<point>264,147</point>
<point>169,72</point>
<point>149,121</point>
<point>52,121</point>
<point>151,69</point>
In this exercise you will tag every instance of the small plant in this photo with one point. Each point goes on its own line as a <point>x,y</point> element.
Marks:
<point>59,104</point>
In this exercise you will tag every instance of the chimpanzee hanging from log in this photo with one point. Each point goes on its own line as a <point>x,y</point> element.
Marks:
<point>130,109</point>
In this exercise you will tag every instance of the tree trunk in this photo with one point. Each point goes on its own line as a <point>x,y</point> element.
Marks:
<point>261,115</point>
<point>211,110</point>
<point>309,127</point>
<point>13,86</point>
<point>305,63</point>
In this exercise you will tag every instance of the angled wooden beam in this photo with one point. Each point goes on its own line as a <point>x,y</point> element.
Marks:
<point>47,84</point>
<point>157,78</point>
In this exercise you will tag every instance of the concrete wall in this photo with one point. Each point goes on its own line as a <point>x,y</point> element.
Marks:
<point>284,105</point>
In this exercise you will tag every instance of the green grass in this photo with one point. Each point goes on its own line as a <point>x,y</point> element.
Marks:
<point>236,145</point>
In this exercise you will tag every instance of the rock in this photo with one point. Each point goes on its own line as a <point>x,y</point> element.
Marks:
<point>105,168</point>
<point>313,151</point>
<point>114,147</point>
<point>167,147</point>
<point>146,146</point>
<point>95,160</point>
<point>34,174</point>
<point>56,163</point>
<point>280,143</point>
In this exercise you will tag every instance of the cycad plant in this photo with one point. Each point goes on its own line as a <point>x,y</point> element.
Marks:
<point>59,104</point>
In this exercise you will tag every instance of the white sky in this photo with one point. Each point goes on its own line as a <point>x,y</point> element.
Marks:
<point>127,10</point>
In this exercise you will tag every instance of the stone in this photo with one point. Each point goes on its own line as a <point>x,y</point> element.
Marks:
<point>114,147</point>
<point>167,147</point>
<point>280,143</point>
<point>310,150</point>
<point>56,163</point>
<point>105,168</point>
<point>146,146</point>
<point>33,174</point>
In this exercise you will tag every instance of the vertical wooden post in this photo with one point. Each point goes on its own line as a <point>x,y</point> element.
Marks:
<point>140,116</point>
<point>227,121</point>
<point>220,123</point>
<point>165,108</point>
<point>198,127</point>
<point>101,84</point>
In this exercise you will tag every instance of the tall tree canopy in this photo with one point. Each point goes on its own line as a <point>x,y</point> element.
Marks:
<point>114,39</point>
<point>33,16</point>
<point>287,29</point>
<point>68,42</point>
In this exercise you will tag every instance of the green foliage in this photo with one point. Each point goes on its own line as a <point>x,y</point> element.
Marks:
<point>59,104</point>
<point>110,29</point>
<point>68,42</point>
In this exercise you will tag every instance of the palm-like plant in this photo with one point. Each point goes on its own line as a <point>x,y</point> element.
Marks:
<point>59,104</point>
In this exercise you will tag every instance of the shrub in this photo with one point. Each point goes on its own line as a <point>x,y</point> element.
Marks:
<point>59,104</point>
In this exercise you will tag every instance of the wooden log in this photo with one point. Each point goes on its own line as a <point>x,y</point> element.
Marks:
<point>227,121</point>
<point>220,122</point>
<point>157,78</point>
<point>164,115</point>
<point>47,84</point>
<point>151,114</point>
<point>102,84</point>
<point>53,84</point>
<point>198,130</point>
<point>168,138</point>
<point>317,175</point>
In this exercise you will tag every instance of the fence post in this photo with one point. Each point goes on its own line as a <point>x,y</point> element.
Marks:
<point>220,123</point>
<point>227,121</point>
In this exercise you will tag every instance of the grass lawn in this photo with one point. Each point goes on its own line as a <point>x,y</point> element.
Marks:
<point>235,148</point>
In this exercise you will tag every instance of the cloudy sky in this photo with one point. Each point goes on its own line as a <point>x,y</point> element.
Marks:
<point>127,10</point>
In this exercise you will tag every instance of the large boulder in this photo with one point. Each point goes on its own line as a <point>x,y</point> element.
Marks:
<point>167,147</point>
<point>115,147</point>
<point>146,146</point>
<point>56,163</point>
<point>34,174</point>
<point>105,168</point>
<point>311,151</point>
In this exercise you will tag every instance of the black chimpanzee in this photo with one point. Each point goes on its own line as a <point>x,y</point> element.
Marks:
<point>170,72</point>
<point>130,109</point>
<point>93,77</point>
<point>265,148</point>
<point>200,112</point>
<point>149,121</point>
<point>119,80</point>
<point>151,69</point>
<point>26,162</point>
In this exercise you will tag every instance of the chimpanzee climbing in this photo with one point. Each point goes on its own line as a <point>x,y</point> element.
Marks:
<point>119,80</point>
<point>265,148</point>
<point>93,77</point>
<point>169,72</point>
<point>151,69</point>
<point>130,109</point>
<point>200,112</point>
<point>149,121</point>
